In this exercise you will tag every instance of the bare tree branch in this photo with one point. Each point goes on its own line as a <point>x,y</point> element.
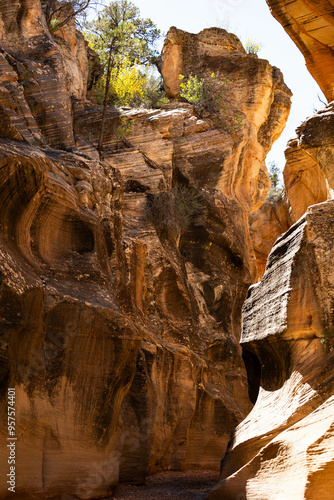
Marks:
<point>65,10</point>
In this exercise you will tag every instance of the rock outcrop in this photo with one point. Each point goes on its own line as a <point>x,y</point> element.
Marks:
<point>255,97</point>
<point>308,173</point>
<point>38,75</point>
<point>284,448</point>
<point>310,25</point>
<point>266,224</point>
<point>122,276</point>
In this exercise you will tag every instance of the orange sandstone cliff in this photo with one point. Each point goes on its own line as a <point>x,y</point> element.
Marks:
<point>123,276</point>
<point>284,448</point>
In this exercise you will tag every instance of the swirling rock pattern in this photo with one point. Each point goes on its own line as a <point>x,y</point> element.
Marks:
<point>122,276</point>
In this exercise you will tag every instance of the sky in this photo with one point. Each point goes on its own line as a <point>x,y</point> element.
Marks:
<point>247,19</point>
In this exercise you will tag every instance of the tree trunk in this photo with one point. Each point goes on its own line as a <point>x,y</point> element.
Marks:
<point>100,144</point>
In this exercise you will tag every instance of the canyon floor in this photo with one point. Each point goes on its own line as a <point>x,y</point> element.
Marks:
<point>188,485</point>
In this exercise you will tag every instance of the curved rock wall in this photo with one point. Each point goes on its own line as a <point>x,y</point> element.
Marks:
<point>310,24</point>
<point>308,173</point>
<point>122,277</point>
<point>284,448</point>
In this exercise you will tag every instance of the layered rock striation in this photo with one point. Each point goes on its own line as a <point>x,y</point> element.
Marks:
<point>310,25</point>
<point>268,223</point>
<point>122,274</point>
<point>284,448</point>
<point>39,74</point>
<point>255,100</point>
<point>308,180</point>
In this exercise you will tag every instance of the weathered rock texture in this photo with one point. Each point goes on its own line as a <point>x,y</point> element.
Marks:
<point>266,224</point>
<point>38,75</point>
<point>255,94</point>
<point>284,448</point>
<point>308,180</point>
<point>310,24</point>
<point>122,278</point>
<point>309,173</point>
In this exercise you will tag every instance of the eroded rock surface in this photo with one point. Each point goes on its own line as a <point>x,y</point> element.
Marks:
<point>38,75</point>
<point>123,276</point>
<point>255,99</point>
<point>310,24</point>
<point>284,448</point>
<point>308,173</point>
<point>308,180</point>
<point>266,224</point>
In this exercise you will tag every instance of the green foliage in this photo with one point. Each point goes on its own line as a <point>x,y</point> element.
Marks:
<point>180,206</point>
<point>126,43</point>
<point>64,11</point>
<point>204,94</point>
<point>252,47</point>
<point>127,84</point>
<point>119,29</point>
<point>208,95</point>
<point>132,85</point>
<point>53,26</point>
<point>273,174</point>
<point>237,123</point>
<point>194,89</point>
<point>328,338</point>
<point>124,128</point>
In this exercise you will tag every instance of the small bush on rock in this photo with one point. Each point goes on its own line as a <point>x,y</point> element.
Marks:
<point>252,47</point>
<point>180,206</point>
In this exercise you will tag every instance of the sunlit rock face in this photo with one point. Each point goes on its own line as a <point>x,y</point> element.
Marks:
<point>266,224</point>
<point>308,180</point>
<point>255,101</point>
<point>309,174</point>
<point>120,326</point>
<point>38,75</point>
<point>284,447</point>
<point>122,275</point>
<point>311,27</point>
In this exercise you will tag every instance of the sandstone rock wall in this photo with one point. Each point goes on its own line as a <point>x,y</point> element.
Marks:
<point>123,276</point>
<point>284,448</point>
<point>39,75</point>
<point>308,180</point>
<point>254,96</point>
<point>308,174</point>
<point>310,24</point>
<point>266,224</point>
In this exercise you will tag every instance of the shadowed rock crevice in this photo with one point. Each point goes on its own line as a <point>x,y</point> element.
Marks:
<point>272,450</point>
<point>120,330</point>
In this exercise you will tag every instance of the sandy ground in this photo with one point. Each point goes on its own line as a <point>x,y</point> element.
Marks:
<point>188,485</point>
